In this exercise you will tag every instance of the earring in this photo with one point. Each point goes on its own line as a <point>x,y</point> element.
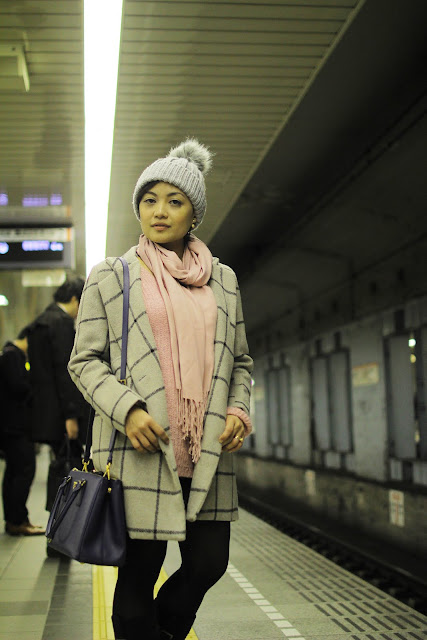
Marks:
<point>194,224</point>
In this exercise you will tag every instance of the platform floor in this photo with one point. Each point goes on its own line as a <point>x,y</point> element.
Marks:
<point>274,588</point>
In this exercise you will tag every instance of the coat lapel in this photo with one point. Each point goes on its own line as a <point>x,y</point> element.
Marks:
<point>141,341</point>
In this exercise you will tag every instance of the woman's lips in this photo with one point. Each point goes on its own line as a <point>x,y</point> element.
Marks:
<point>160,227</point>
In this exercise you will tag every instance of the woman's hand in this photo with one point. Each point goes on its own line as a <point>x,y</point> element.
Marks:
<point>233,435</point>
<point>143,431</point>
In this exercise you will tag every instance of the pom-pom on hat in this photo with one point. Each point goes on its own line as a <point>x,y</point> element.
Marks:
<point>185,167</point>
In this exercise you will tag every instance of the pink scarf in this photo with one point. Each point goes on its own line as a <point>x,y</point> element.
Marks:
<point>192,313</point>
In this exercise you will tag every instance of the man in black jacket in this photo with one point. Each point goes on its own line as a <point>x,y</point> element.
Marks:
<point>18,449</point>
<point>58,406</point>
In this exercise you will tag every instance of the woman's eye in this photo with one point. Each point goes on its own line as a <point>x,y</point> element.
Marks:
<point>176,202</point>
<point>149,200</point>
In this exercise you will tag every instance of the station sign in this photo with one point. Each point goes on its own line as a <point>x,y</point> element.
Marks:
<point>41,248</point>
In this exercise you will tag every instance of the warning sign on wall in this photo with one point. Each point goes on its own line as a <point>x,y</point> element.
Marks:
<point>397,508</point>
<point>365,374</point>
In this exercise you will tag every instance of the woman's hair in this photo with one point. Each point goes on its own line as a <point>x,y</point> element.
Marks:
<point>72,286</point>
<point>146,188</point>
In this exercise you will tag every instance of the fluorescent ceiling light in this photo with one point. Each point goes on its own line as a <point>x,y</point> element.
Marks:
<point>102,26</point>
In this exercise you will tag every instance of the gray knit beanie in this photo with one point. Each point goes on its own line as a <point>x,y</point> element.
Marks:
<point>184,167</point>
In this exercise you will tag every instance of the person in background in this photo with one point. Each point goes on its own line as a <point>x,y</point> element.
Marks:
<point>183,413</point>
<point>57,404</point>
<point>15,393</point>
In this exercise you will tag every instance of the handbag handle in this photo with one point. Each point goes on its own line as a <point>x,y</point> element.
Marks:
<point>122,380</point>
<point>53,523</point>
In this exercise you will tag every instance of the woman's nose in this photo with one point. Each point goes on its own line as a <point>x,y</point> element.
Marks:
<point>160,211</point>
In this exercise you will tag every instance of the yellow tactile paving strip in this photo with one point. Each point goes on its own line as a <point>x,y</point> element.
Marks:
<point>104,580</point>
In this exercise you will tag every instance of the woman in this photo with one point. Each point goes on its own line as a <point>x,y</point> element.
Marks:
<point>185,406</point>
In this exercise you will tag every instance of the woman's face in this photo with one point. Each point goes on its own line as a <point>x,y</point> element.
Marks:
<point>166,215</point>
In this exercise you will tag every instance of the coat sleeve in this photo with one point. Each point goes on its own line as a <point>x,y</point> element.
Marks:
<point>240,384</point>
<point>89,364</point>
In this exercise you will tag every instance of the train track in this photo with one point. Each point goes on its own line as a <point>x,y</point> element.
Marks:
<point>391,579</point>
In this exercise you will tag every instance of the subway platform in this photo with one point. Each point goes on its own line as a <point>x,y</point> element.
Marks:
<point>274,588</point>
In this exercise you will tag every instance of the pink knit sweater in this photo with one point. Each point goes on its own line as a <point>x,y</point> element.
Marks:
<point>157,316</point>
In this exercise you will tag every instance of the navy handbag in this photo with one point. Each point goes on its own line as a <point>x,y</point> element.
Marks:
<point>87,520</point>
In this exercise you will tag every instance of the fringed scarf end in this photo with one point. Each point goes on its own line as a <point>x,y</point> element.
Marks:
<point>191,414</point>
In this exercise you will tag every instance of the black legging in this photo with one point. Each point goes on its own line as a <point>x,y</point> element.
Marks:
<point>204,557</point>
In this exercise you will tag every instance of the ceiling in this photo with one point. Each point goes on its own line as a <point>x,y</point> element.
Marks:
<point>340,199</point>
<point>228,73</point>
<point>312,108</point>
<point>42,130</point>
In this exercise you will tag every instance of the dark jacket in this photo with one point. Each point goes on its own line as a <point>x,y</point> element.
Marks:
<point>55,397</point>
<point>15,392</point>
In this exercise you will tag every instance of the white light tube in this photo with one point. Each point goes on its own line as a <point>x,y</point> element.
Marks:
<point>102,27</point>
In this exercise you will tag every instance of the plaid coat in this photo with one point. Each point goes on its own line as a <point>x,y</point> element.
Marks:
<point>153,497</point>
